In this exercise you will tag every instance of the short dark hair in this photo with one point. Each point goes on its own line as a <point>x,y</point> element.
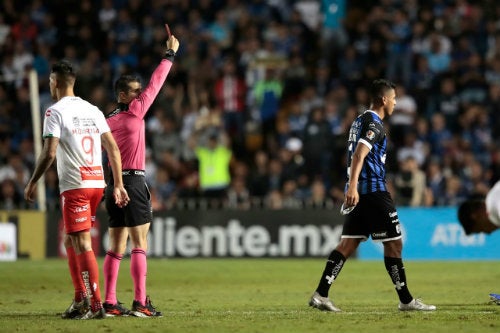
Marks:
<point>379,87</point>
<point>64,72</point>
<point>465,212</point>
<point>122,83</point>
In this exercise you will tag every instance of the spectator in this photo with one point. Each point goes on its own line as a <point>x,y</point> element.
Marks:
<point>259,176</point>
<point>289,195</point>
<point>405,114</point>
<point>410,183</point>
<point>214,167</point>
<point>318,198</point>
<point>437,55</point>
<point>230,92</point>
<point>10,196</point>
<point>238,195</point>
<point>413,147</point>
<point>439,136</point>
<point>436,181</point>
<point>317,148</point>
<point>399,57</point>
<point>163,190</point>
<point>267,98</point>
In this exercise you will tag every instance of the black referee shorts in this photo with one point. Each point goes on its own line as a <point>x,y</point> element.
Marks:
<point>139,210</point>
<point>375,215</point>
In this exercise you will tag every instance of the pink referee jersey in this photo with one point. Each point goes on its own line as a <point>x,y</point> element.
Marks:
<point>128,126</point>
<point>79,126</point>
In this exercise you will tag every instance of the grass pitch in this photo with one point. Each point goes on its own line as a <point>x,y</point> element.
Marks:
<point>260,295</point>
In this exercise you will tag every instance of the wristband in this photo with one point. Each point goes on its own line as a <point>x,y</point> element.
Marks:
<point>170,54</point>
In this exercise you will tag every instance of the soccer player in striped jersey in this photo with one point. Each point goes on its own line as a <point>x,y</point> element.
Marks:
<point>373,212</point>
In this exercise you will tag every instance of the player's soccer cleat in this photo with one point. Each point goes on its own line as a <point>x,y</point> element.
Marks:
<point>116,310</point>
<point>99,314</point>
<point>495,298</point>
<point>76,309</point>
<point>322,303</point>
<point>144,311</point>
<point>416,305</point>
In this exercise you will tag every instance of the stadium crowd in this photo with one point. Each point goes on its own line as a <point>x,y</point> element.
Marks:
<point>274,85</point>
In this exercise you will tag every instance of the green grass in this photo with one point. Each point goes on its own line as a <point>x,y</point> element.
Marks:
<point>260,295</point>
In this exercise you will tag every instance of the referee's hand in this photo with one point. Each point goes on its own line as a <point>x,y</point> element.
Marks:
<point>121,196</point>
<point>172,43</point>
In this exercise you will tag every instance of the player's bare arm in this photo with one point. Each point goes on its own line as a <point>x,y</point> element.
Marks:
<point>47,157</point>
<point>358,158</point>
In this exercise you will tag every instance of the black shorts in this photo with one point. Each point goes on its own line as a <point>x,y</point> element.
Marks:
<point>375,216</point>
<point>138,211</point>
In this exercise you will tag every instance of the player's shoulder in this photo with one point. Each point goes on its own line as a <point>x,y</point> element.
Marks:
<point>74,106</point>
<point>370,117</point>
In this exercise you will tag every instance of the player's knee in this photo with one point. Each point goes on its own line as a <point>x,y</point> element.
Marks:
<point>393,249</point>
<point>347,246</point>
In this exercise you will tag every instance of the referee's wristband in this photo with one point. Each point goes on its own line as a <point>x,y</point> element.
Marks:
<point>170,54</point>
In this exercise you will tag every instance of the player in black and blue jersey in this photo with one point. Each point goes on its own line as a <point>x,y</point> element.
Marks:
<point>368,205</point>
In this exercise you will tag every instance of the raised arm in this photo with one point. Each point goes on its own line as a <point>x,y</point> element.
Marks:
<point>148,95</point>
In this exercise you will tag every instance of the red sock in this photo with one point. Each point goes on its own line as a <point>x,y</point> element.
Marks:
<point>76,277</point>
<point>138,270</point>
<point>111,268</point>
<point>90,275</point>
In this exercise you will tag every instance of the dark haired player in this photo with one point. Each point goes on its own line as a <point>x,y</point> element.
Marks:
<point>482,214</point>
<point>73,131</point>
<point>374,213</point>
<point>128,128</point>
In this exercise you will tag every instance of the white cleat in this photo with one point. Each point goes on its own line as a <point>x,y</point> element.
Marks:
<point>322,303</point>
<point>416,305</point>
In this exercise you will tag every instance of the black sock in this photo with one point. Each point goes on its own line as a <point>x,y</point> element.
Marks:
<point>396,270</point>
<point>332,269</point>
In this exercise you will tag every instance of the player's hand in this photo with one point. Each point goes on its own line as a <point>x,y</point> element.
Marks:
<point>28,192</point>
<point>351,197</point>
<point>121,196</point>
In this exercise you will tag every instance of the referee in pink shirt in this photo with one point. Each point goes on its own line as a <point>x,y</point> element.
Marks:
<point>128,128</point>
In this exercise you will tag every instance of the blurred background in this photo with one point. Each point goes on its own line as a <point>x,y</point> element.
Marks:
<point>273,84</point>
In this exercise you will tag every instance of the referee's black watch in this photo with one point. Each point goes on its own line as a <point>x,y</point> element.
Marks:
<point>170,54</point>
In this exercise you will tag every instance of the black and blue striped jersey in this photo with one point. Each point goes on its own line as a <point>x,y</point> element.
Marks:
<point>368,129</point>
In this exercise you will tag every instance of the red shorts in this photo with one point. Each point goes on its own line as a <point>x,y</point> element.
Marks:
<point>79,207</point>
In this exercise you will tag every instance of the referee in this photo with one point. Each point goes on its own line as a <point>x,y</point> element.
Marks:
<point>128,128</point>
<point>369,208</point>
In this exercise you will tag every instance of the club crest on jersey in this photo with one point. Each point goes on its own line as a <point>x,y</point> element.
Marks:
<point>370,135</point>
<point>47,113</point>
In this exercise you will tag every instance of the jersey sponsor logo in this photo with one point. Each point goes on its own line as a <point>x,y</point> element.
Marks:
<point>81,209</point>
<point>47,113</point>
<point>81,219</point>
<point>379,234</point>
<point>91,173</point>
<point>133,173</point>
